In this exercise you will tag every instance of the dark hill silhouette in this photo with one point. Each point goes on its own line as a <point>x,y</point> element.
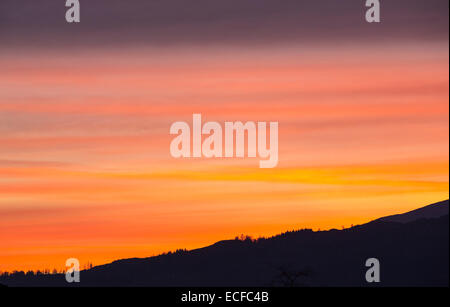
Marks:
<point>431,211</point>
<point>413,249</point>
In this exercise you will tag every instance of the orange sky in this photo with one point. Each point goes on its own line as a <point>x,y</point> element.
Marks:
<point>86,171</point>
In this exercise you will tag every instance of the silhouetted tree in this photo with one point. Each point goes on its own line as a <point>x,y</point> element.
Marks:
<point>290,278</point>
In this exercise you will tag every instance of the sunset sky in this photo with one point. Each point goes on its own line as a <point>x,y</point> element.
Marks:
<point>85,113</point>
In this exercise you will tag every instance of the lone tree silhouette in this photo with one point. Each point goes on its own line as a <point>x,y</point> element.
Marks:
<point>289,278</point>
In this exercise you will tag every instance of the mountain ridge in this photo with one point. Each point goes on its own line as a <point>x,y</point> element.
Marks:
<point>431,211</point>
<point>414,253</point>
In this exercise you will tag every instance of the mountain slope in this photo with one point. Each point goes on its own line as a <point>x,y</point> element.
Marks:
<point>413,253</point>
<point>431,211</point>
